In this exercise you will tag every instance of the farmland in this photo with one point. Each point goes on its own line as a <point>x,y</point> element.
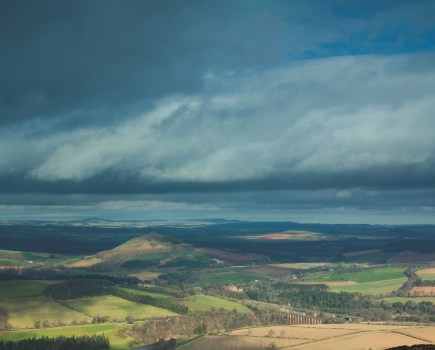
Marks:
<point>24,312</point>
<point>328,337</point>
<point>208,302</point>
<point>114,308</point>
<point>142,273</point>
<point>365,275</point>
<point>227,277</point>
<point>427,274</point>
<point>117,342</point>
<point>374,288</point>
<point>18,289</point>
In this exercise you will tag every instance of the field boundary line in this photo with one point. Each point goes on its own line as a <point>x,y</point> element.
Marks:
<point>74,309</point>
<point>412,336</point>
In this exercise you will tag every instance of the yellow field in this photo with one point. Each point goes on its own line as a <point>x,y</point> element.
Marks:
<point>314,337</point>
<point>116,309</point>
<point>300,265</point>
<point>427,274</point>
<point>110,330</point>
<point>24,312</point>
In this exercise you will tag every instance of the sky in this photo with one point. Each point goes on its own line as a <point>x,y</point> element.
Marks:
<point>297,110</point>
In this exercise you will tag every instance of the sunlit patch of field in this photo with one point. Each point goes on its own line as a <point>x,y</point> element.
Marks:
<point>365,275</point>
<point>403,300</point>
<point>332,284</point>
<point>427,274</point>
<point>286,235</point>
<point>19,289</point>
<point>225,255</point>
<point>84,262</point>
<point>146,275</point>
<point>373,288</point>
<point>227,277</point>
<point>109,330</point>
<point>428,291</point>
<point>313,337</point>
<point>208,302</point>
<point>116,309</point>
<point>300,265</point>
<point>24,312</point>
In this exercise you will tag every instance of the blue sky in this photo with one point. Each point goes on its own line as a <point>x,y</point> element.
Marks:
<point>312,111</point>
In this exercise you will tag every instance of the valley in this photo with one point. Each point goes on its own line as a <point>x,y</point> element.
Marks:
<point>232,285</point>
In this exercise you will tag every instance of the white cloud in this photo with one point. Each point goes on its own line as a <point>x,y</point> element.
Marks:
<point>319,116</point>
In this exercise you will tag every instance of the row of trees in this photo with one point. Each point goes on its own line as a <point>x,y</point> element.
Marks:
<point>4,318</point>
<point>94,342</point>
<point>204,323</point>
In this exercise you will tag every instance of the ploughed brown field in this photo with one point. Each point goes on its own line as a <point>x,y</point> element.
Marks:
<point>326,337</point>
<point>411,257</point>
<point>422,292</point>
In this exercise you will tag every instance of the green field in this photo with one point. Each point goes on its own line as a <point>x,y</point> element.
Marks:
<point>24,312</point>
<point>367,275</point>
<point>374,288</point>
<point>227,277</point>
<point>18,289</point>
<point>208,302</point>
<point>405,299</point>
<point>116,309</point>
<point>109,330</point>
<point>427,274</point>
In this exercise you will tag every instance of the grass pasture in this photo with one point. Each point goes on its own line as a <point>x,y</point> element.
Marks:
<point>363,276</point>
<point>109,330</point>
<point>373,288</point>
<point>116,309</point>
<point>23,312</point>
<point>20,288</point>
<point>207,302</point>
<point>403,300</point>
<point>427,274</point>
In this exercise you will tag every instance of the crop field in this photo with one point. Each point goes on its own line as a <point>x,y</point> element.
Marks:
<point>207,302</point>
<point>366,275</point>
<point>427,274</point>
<point>412,299</point>
<point>24,312</point>
<point>422,292</point>
<point>302,266</point>
<point>227,277</point>
<point>116,309</point>
<point>109,330</point>
<point>19,289</point>
<point>84,262</point>
<point>313,337</point>
<point>373,288</point>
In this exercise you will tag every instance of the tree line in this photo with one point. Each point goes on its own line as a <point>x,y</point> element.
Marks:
<point>93,342</point>
<point>201,323</point>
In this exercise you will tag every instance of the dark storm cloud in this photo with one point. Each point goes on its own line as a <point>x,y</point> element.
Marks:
<point>83,59</point>
<point>88,61</point>
<point>234,101</point>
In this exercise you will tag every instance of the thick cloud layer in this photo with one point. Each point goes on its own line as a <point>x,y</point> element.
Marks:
<point>166,105</point>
